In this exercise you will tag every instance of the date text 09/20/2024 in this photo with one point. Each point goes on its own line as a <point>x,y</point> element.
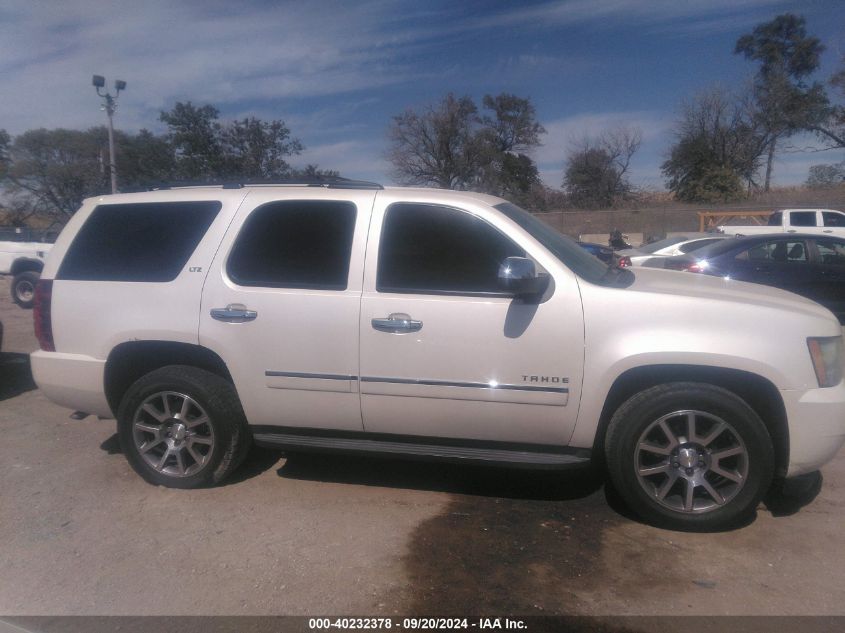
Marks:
<point>431,624</point>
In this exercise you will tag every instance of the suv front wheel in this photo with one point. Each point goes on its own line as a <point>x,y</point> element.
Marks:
<point>689,456</point>
<point>182,427</point>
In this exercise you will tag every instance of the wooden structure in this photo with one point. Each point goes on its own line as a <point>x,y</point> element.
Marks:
<point>712,219</point>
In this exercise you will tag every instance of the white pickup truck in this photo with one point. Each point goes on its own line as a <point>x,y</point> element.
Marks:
<point>23,261</point>
<point>821,221</point>
<point>427,324</point>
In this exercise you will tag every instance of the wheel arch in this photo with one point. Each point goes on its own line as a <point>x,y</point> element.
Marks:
<point>25,264</point>
<point>759,392</point>
<point>129,361</point>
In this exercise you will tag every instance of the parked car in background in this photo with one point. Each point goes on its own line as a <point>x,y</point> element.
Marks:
<point>606,254</point>
<point>814,221</point>
<point>22,257</point>
<point>652,255</point>
<point>809,265</point>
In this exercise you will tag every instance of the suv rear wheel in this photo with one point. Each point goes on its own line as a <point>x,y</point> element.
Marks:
<point>689,456</point>
<point>182,427</point>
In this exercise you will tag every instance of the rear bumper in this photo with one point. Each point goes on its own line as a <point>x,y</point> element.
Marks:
<point>74,381</point>
<point>816,427</point>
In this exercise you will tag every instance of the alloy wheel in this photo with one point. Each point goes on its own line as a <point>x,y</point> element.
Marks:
<point>173,434</point>
<point>691,461</point>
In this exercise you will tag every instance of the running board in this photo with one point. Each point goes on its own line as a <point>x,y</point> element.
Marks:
<point>535,459</point>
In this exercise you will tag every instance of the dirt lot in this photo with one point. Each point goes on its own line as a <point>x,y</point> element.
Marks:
<point>80,533</point>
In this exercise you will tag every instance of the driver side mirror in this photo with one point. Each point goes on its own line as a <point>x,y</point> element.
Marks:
<point>518,276</point>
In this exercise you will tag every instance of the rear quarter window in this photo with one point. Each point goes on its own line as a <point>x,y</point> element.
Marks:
<point>149,242</point>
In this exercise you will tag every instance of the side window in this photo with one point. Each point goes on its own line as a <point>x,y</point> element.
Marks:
<point>429,249</point>
<point>776,219</point>
<point>796,252</point>
<point>802,218</point>
<point>137,242</point>
<point>757,253</point>
<point>833,219</point>
<point>831,252</point>
<point>295,244</point>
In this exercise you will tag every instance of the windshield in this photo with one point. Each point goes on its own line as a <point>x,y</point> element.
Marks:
<point>564,248</point>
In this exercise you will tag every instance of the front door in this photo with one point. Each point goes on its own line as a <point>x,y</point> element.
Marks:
<point>444,353</point>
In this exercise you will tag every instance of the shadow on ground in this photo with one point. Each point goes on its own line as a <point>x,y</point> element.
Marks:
<point>442,477</point>
<point>15,375</point>
<point>508,541</point>
<point>788,497</point>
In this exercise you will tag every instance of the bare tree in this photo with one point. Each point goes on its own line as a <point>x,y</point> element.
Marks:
<point>438,147</point>
<point>451,146</point>
<point>596,173</point>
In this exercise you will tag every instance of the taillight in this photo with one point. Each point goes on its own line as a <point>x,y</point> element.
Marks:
<point>698,267</point>
<point>41,314</point>
<point>624,262</point>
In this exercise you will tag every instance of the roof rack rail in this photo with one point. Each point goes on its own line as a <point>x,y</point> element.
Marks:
<point>329,182</point>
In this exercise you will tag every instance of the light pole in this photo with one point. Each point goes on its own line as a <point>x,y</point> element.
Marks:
<point>110,105</point>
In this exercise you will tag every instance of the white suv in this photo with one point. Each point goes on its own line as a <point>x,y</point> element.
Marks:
<point>349,317</point>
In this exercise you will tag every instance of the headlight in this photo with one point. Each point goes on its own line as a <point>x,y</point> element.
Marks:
<point>826,353</point>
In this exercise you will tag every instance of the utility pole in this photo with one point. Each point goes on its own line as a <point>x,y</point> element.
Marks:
<point>110,105</point>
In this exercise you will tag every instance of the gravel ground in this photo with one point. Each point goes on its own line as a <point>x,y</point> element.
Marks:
<point>81,534</point>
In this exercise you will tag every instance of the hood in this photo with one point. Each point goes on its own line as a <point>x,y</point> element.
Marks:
<point>716,289</point>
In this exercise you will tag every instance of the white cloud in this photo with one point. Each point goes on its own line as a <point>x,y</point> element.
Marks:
<point>603,12</point>
<point>362,160</point>
<point>170,51</point>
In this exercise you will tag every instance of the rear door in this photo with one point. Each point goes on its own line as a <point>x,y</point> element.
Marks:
<point>805,222</point>
<point>829,283</point>
<point>281,306</point>
<point>779,262</point>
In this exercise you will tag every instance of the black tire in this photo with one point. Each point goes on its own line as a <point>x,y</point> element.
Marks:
<point>23,288</point>
<point>211,398</point>
<point>742,451</point>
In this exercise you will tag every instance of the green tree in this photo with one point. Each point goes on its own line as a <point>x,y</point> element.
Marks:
<point>5,144</point>
<point>143,160</point>
<point>787,56</point>
<point>54,170</point>
<point>194,135</point>
<point>507,133</point>
<point>826,176</point>
<point>832,128</point>
<point>248,149</point>
<point>253,149</point>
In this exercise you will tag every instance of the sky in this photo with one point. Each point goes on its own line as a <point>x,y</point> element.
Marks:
<point>337,72</point>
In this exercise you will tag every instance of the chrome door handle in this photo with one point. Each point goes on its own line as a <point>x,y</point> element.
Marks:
<point>234,313</point>
<point>397,323</point>
<point>827,231</point>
